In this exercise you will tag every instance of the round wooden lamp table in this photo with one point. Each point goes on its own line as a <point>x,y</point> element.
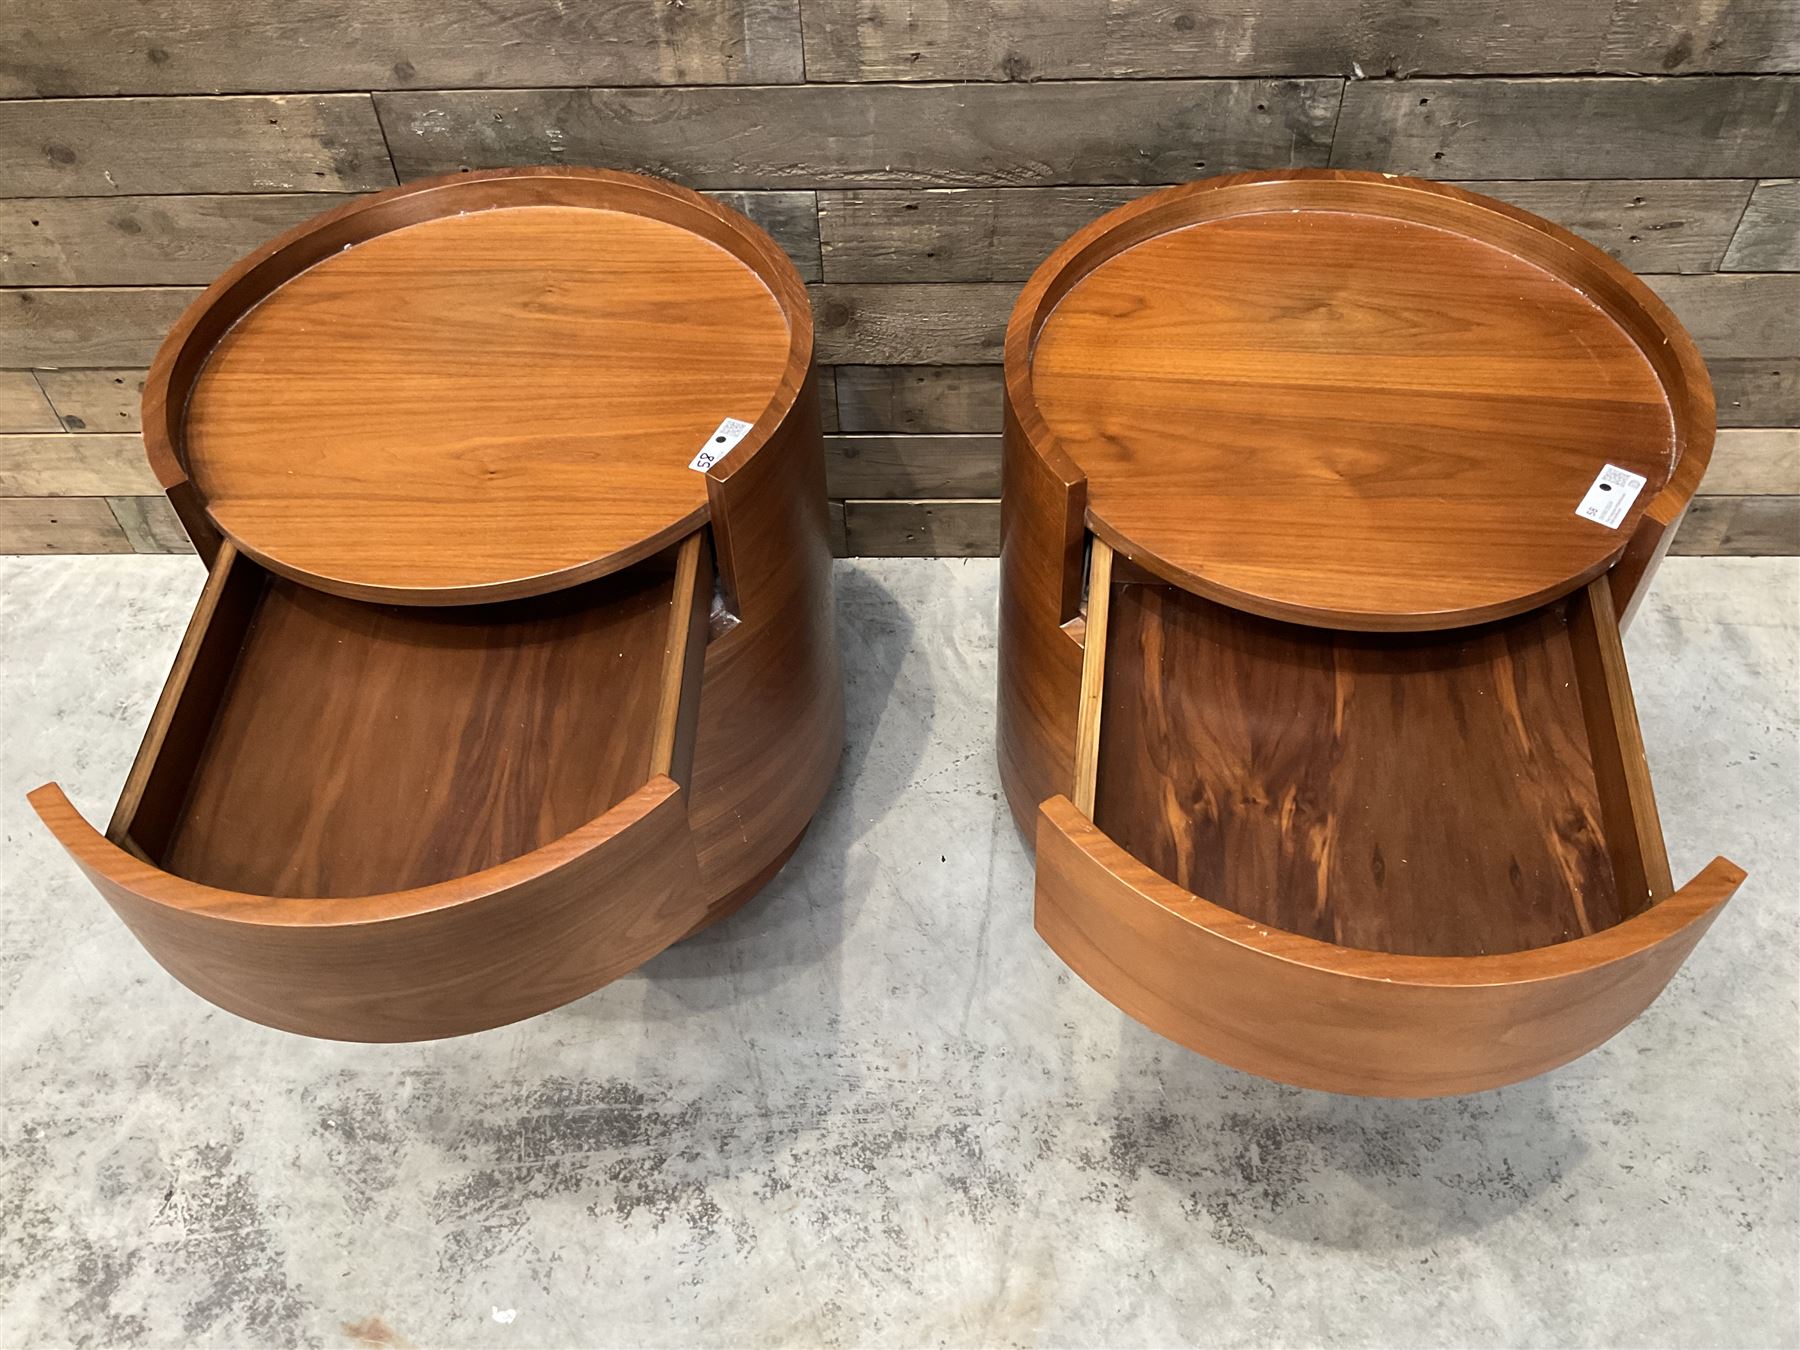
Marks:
<point>1325,495</point>
<point>516,661</point>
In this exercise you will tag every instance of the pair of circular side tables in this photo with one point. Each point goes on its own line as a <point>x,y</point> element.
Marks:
<point>1325,497</point>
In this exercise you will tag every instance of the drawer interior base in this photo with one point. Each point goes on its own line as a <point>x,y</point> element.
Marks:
<point>1429,793</point>
<point>328,747</point>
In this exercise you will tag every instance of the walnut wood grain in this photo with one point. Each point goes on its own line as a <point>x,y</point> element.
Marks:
<point>478,951</point>
<point>956,400</point>
<point>317,763</point>
<point>1370,811</point>
<point>1430,794</point>
<point>1048,497</point>
<point>389,747</point>
<point>1323,1016</point>
<point>1425,381</point>
<point>590,330</point>
<point>1096,619</point>
<point>1043,500</point>
<point>382,821</point>
<point>1630,821</point>
<point>771,727</point>
<point>149,805</point>
<point>683,661</point>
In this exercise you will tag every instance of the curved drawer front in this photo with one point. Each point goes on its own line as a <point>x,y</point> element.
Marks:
<point>460,956</point>
<point>399,822</point>
<point>1321,1016</point>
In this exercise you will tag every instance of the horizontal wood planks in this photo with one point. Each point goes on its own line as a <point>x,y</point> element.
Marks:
<point>61,525</point>
<point>150,524</point>
<point>994,39</point>
<point>93,400</point>
<point>1741,526</point>
<point>189,240</point>
<point>87,325</point>
<point>893,134</point>
<point>916,162</point>
<point>23,404</point>
<point>912,466</point>
<point>1768,237</point>
<point>1762,463</point>
<point>143,241</point>
<point>60,465</point>
<point>929,529</point>
<point>1737,314</point>
<point>220,46</point>
<point>961,324</point>
<point>223,46</point>
<point>984,234</point>
<point>1572,128</point>
<point>84,147</point>
<point>929,399</point>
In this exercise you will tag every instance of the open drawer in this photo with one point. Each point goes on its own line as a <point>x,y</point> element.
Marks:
<point>377,822</point>
<point>1400,864</point>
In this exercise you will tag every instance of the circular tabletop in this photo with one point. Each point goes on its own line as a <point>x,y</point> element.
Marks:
<point>493,387</point>
<point>1337,404</point>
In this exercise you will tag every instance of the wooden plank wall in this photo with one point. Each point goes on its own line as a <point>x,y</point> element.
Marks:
<point>917,158</point>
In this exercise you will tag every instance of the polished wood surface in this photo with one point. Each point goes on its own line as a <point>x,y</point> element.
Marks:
<point>372,820</point>
<point>480,387</point>
<point>517,939</point>
<point>1096,619</point>
<point>1042,503</point>
<point>150,804</point>
<point>1046,493</point>
<point>1630,821</point>
<point>443,791</point>
<point>388,747</point>
<point>1353,400</point>
<point>321,763</point>
<point>684,661</point>
<point>771,727</point>
<point>1359,796</point>
<point>1319,1015</point>
<point>1420,793</point>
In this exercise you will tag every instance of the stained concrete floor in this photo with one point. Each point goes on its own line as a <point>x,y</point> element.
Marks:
<point>872,1108</point>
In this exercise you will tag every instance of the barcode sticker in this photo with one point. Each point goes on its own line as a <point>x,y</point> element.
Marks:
<point>720,444</point>
<point>1611,496</point>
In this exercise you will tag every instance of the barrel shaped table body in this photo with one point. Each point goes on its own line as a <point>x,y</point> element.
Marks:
<point>516,661</point>
<point>1325,498</point>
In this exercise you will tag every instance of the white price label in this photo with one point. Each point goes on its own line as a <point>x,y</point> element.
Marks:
<point>721,442</point>
<point>1611,496</point>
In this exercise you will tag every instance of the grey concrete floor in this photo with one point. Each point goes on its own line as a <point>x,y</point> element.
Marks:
<point>872,1107</point>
